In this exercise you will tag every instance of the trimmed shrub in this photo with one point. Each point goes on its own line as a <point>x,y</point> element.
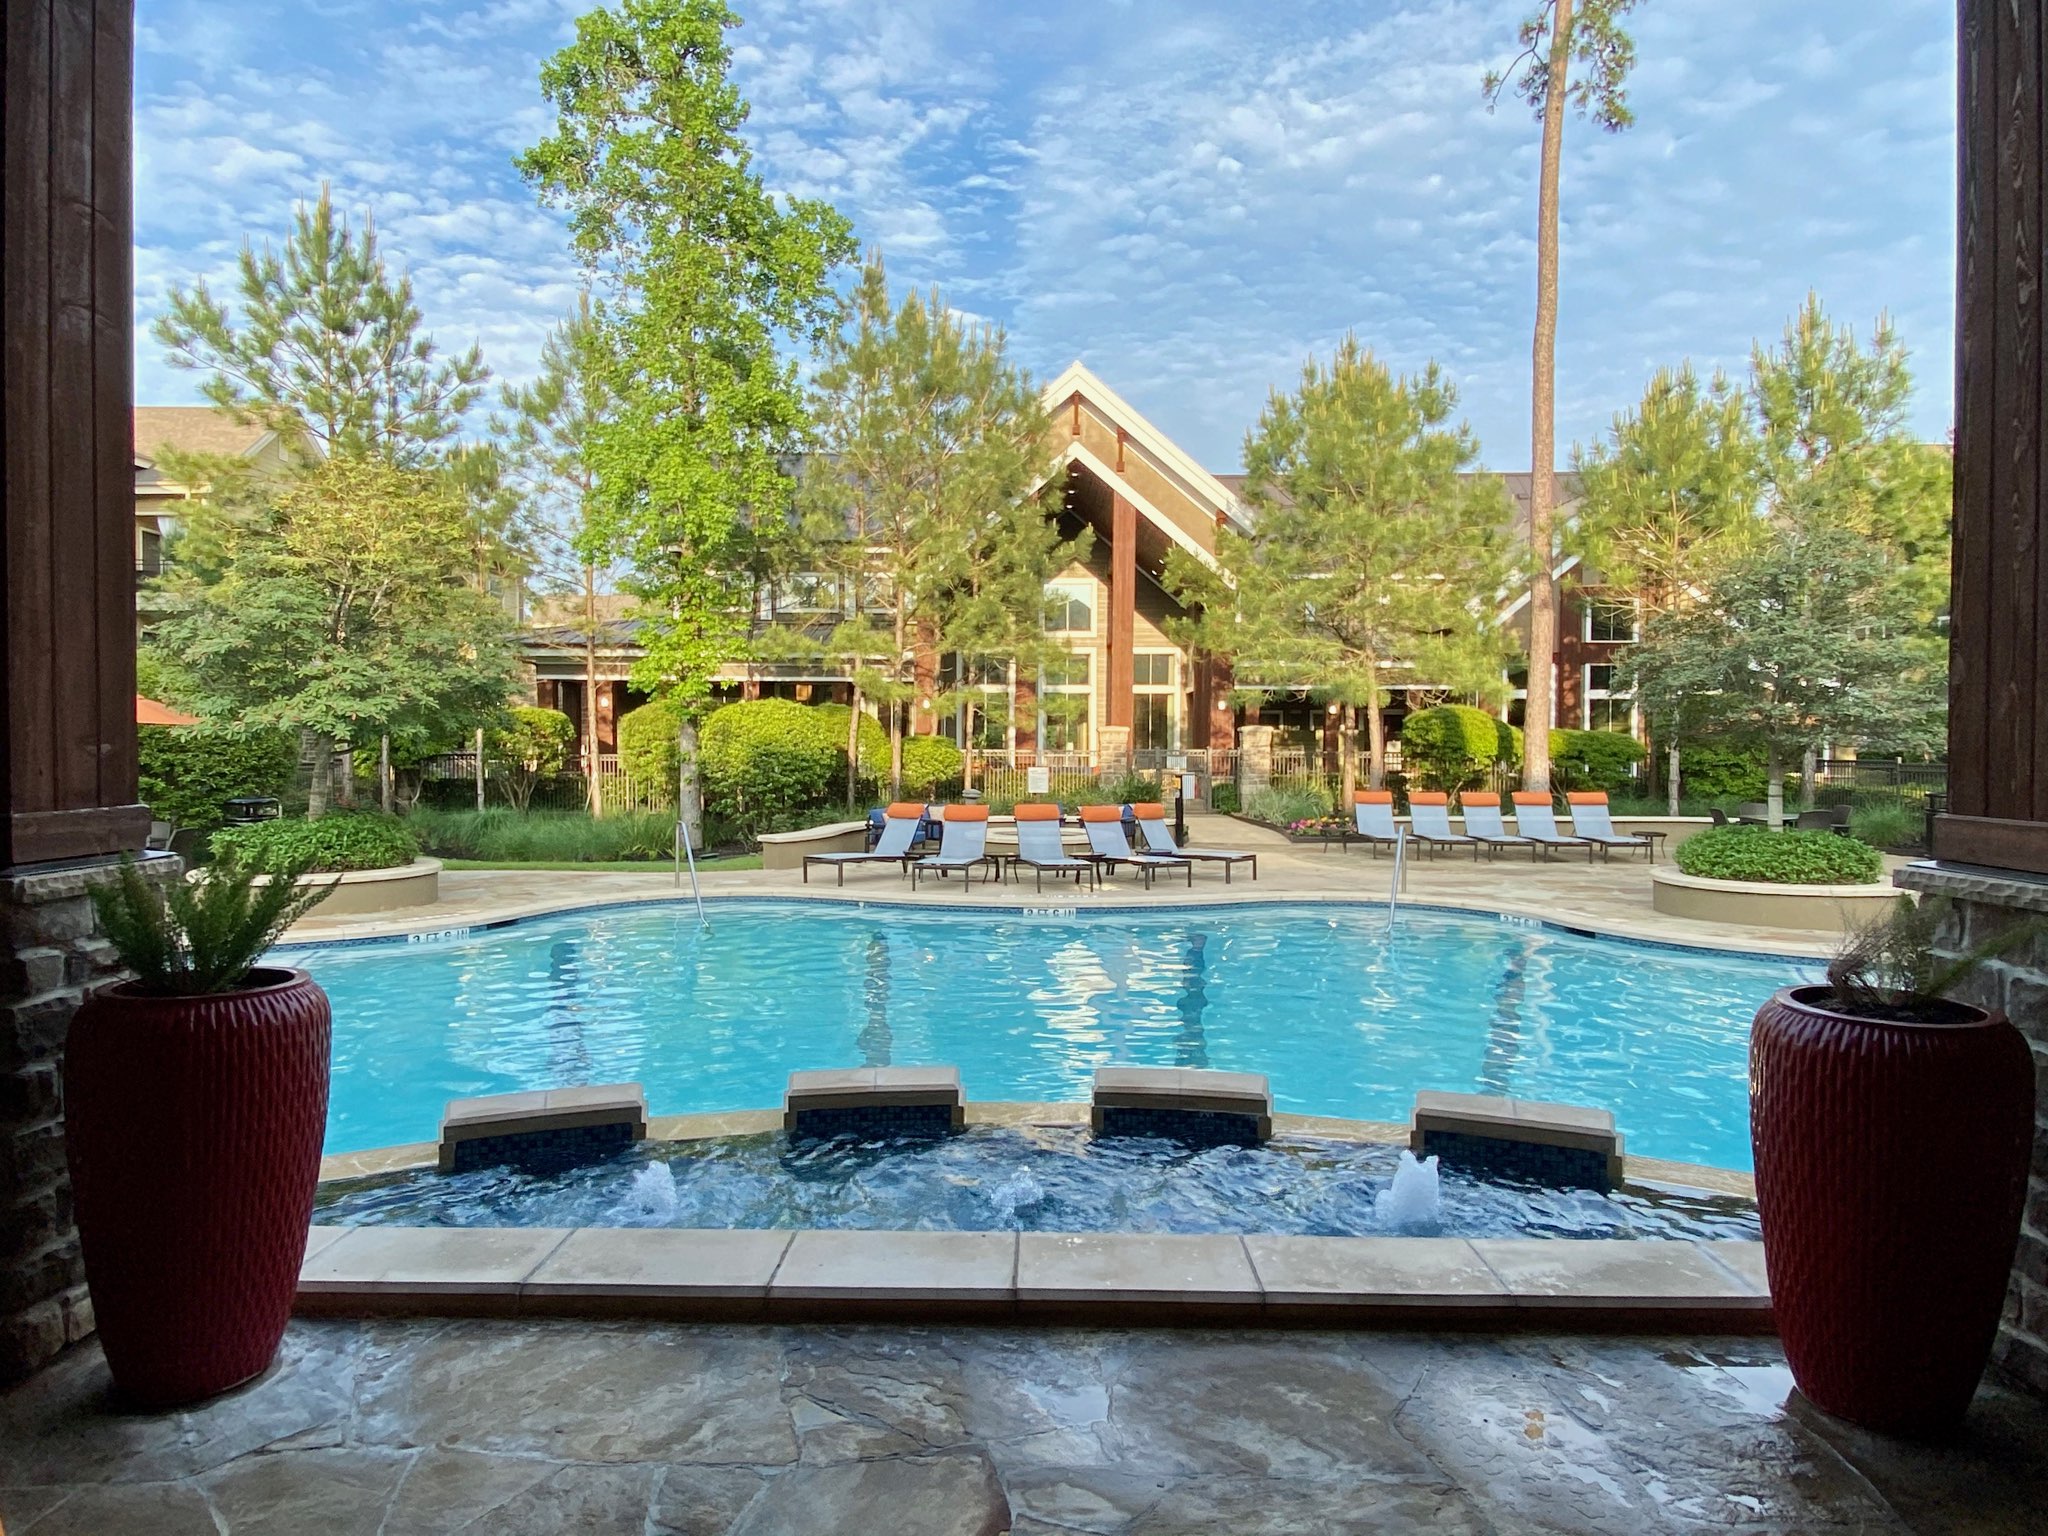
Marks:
<point>1595,760</point>
<point>189,772</point>
<point>1779,858</point>
<point>1713,771</point>
<point>1132,789</point>
<point>647,746</point>
<point>769,762</point>
<point>930,763</point>
<point>342,840</point>
<point>1223,799</point>
<point>533,744</point>
<point>1454,746</point>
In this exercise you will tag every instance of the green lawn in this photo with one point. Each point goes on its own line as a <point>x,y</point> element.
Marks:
<point>638,867</point>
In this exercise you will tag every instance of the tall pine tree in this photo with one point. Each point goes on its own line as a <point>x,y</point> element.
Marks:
<point>921,501</point>
<point>1574,53</point>
<point>1374,557</point>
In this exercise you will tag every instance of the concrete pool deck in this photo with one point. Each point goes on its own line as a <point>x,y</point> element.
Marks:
<point>1607,896</point>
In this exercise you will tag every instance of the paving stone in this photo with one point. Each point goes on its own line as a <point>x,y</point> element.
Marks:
<point>449,1491</point>
<point>945,1495</point>
<point>1279,1407</point>
<point>865,1395</point>
<point>127,1509</point>
<point>578,1392</point>
<point>1270,1507</point>
<point>333,1492</point>
<point>575,1500</point>
<point>64,1426</point>
<point>702,1501</point>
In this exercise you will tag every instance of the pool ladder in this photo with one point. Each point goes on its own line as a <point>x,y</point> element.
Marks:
<point>1400,873</point>
<point>683,852</point>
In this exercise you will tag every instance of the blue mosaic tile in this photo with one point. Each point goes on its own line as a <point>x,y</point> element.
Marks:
<point>876,1122</point>
<point>549,1151</point>
<point>1195,1127</point>
<point>1555,1167</point>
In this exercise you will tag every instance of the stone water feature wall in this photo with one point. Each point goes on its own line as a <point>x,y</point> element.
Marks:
<point>55,954</point>
<point>1987,903</point>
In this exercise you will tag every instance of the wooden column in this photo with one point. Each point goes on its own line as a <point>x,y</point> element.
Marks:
<point>67,765</point>
<point>1998,646</point>
<point>1123,607</point>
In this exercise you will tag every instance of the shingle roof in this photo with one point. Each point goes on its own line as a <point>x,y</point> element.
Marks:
<point>192,429</point>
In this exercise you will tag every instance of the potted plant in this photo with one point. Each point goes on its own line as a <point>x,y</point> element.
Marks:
<point>1892,1127</point>
<point>195,1103</point>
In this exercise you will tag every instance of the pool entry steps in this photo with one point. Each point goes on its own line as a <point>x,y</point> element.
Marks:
<point>874,1102</point>
<point>1564,1146</point>
<point>542,1132</point>
<point>1201,1108</point>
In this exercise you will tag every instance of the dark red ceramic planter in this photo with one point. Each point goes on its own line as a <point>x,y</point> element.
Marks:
<point>193,1127</point>
<point>1891,1163</point>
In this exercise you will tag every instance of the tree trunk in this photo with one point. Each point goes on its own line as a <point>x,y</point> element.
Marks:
<point>853,753</point>
<point>1543,417</point>
<point>1376,745</point>
<point>689,786</point>
<point>320,786</point>
<point>1774,789</point>
<point>480,770</point>
<point>1809,769</point>
<point>1671,776</point>
<point>591,751</point>
<point>1347,756</point>
<point>384,773</point>
<point>896,706</point>
<point>345,781</point>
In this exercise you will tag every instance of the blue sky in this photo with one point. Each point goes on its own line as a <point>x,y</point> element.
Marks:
<point>1190,195</point>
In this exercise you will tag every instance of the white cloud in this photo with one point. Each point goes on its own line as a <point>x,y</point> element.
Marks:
<point>1191,194</point>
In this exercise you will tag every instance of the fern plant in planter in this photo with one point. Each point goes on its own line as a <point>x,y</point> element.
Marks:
<point>1892,1127</point>
<point>195,1105</point>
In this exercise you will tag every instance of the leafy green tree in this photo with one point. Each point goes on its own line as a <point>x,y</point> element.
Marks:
<point>340,608</point>
<point>703,275</point>
<point>1374,559</point>
<point>921,503</point>
<point>529,745</point>
<point>1573,52</point>
<point>1673,491</point>
<point>547,431</point>
<point>1831,421</point>
<point>1792,645</point>
<point>327,345</point>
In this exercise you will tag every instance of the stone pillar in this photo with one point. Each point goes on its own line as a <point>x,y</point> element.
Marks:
<point>56,955</point>
<point>1113,749</point>
<point>1254,759</point>
<point>1986,903</point>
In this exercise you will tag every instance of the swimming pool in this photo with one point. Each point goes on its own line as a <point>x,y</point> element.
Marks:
<point>1344,1020</point>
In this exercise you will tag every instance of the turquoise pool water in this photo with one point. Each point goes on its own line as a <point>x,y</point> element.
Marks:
<point>1344,1020</point>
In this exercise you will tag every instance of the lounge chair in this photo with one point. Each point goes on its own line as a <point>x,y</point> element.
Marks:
<point>1535,821</point>
<point>963,845</point>
<point>1159,839</point>
<point>1372,816</point>
<point>1429,822</point>
<point>1483,823</point>
<point>900,823</point>
<point>1038,845</point>
<point>1108,846</point>
<point>1591,820</point>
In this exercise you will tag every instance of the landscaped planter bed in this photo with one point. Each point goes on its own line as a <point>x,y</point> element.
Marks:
<point>417,884</point>
<point>1818,908</point>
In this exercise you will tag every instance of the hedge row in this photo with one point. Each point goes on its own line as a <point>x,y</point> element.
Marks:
<point>187,773</point>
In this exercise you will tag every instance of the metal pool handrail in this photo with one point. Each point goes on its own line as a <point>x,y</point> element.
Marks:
<point>1400,866</point>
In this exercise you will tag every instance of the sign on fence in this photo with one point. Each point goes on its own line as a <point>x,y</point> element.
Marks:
<point>1037,781</point>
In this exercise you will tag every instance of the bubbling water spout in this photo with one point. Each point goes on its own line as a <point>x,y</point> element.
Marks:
<point>1414,1201</point>
<point>651,1200</point>
<point>1015,1193</point>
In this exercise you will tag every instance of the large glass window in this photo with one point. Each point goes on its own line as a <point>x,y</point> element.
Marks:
<point>1070,608</point>
<point>1610,619</point>
<point>1604,709</point>
<point>1154,700</point>
<point>1064,700</point>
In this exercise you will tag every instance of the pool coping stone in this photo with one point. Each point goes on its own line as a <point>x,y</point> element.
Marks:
<point>1096,1279</point>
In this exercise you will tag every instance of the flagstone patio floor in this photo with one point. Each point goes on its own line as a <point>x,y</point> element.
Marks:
<point>509,1428</point>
